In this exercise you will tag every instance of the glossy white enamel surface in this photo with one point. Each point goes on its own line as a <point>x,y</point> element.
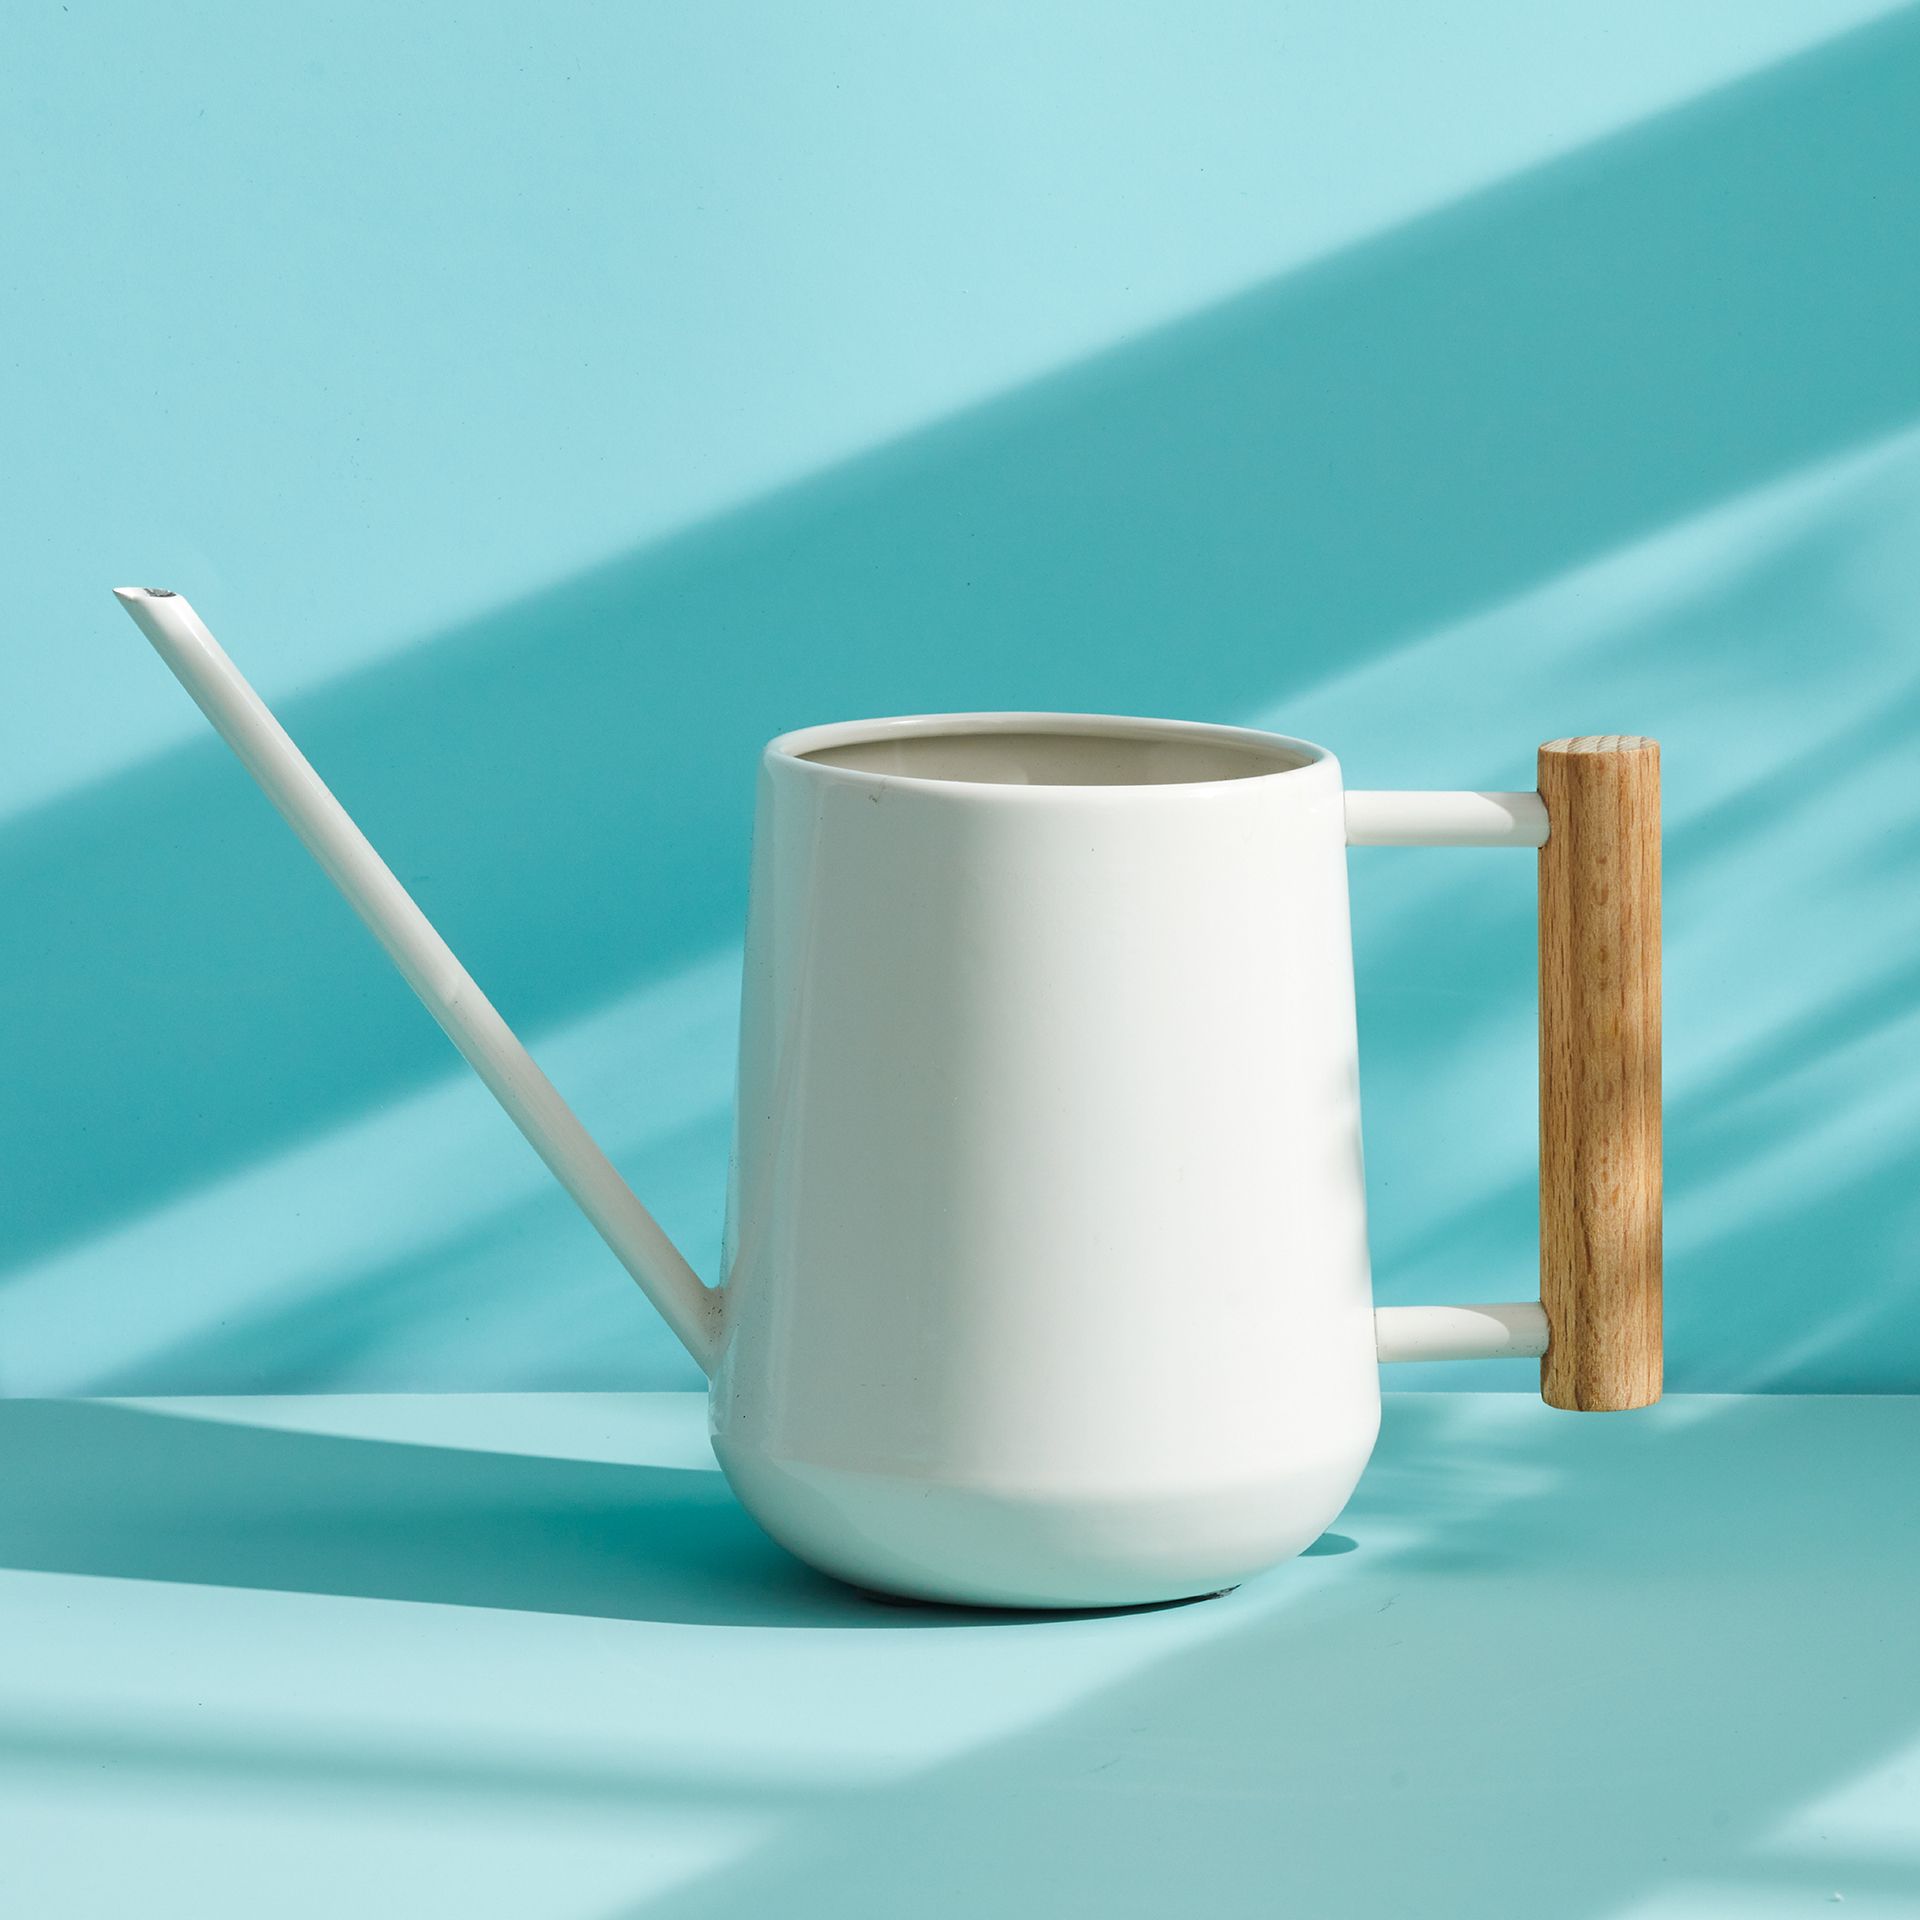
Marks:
<point>1046,1251</point>
<point>1047,1274</point>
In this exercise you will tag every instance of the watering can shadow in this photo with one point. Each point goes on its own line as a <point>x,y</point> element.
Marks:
<point>1045,1276</point>
<point>135,1493</point>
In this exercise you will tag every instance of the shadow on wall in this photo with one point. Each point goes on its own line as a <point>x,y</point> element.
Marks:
<point>1225,513</point>
<point>1788,697</point>
<point>517,1297</point>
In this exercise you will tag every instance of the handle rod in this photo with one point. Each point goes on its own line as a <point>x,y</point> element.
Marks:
<point>1508,1330</point>
<point>1600,1176</point>
<point>1409,819</point>
<point>445,987</point>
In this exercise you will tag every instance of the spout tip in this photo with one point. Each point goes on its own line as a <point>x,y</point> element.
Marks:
<point>128,595</point>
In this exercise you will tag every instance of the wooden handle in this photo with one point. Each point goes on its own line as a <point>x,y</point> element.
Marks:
<point>1600,1072</point>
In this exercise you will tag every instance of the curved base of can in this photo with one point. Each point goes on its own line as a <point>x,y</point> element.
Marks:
<point>1044,1548</point>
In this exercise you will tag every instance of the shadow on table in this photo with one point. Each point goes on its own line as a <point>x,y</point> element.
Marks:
<point>92,1487</point>
<point>1618,1667</point>
<point>98,1488</point>
<point>1587,1668</point>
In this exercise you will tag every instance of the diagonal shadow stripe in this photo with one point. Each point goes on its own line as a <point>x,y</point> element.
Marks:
<point>1230,509</point>
<point>1569,1698</point>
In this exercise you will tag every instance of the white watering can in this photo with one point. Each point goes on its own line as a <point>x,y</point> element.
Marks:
<point>1046,1275</point>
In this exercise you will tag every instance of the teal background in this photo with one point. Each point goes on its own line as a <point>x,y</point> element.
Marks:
<point>547,405</point>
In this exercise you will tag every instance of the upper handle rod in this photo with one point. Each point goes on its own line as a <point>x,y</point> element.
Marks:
<point>1411,819</point>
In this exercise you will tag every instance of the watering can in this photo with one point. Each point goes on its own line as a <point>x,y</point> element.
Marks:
<point>1045,1277</point>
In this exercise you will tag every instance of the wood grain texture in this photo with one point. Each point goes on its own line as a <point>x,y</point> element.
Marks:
<point>1600,1072</point>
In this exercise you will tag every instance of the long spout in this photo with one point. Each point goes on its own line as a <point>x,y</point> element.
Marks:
<point>241,718</point>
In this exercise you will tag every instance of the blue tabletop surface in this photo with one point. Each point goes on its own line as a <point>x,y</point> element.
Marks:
<point>521,1655</point>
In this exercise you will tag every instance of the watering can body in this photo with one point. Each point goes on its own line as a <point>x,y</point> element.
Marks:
<point>1046,1252</point>
<point>1045,1278</point>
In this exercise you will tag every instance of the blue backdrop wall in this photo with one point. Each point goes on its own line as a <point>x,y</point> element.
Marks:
<point>548,404</point>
